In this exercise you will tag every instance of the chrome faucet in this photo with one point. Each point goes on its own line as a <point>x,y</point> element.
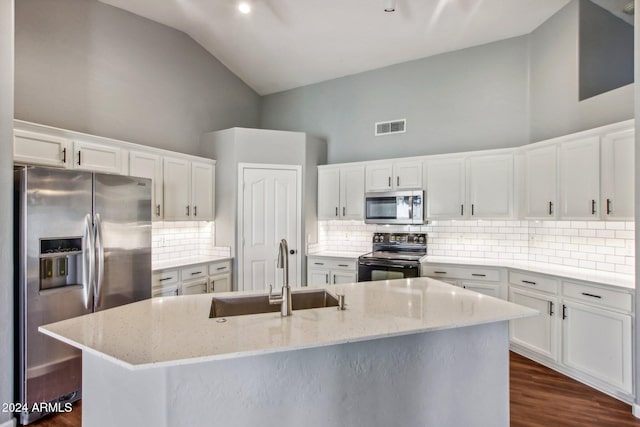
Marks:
<point>284,298</point>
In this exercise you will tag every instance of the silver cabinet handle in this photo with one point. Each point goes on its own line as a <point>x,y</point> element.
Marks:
<point>221,268</point>
<point>478,275</point>
<point>79,157</point>
<point>593,207</point>
<point>609,210</point>
<point>177,292</point>
<point>591,295</point>
<point>564,311</point>
<point>64,155</point>
<point>462,209</point>
<point>550,208</point>
<point>196,272</point>
<point>336,211</point>
<point>195,211</point>
<point>158,210</point>
<point>473,208</point>
<point>318,263</point>
<point>166,278</point>
<point>550,308</point>
<point>528,282</point>
<point>344,211</point>
<point>187,210</point>
<point>440,272</point>
<point>326,278</point>
<point>389,182</point>
<point>398,181</point>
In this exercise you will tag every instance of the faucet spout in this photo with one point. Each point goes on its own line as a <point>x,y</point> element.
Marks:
<point>285,297</point>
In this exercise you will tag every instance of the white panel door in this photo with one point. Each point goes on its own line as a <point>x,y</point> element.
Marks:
<point>541,181</point>
<point>407,175</point>
<point>97,157</point>
<point>538,333</point>
<point>328,193</point>
<point>202,191</point>
<point>617,176</point>
<point>269,214</point>
<point>598,343</point>
<point>149,165</point>
<point>490,183</point>
<point>580,179</point>
<point>378,177</point>
<point>177,188</point>
<point>39,149</point>
<point>352,192</point>
<point>446,188</point>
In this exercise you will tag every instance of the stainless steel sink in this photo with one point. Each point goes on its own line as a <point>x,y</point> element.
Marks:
<point>254,304</point>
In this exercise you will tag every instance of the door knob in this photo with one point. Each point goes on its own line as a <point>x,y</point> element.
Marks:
<point>292,251</point>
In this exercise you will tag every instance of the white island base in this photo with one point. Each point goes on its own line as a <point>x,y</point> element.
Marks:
<point>450,377</point>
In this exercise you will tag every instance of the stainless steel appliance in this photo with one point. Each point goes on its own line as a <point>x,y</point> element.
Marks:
<point>82,244</point>
<point>394,256</point>
<point>397,207</point>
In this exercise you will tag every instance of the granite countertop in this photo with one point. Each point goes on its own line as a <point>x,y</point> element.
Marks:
<point>596,276</point>
<point>172,331</point>
<point>185,262</point>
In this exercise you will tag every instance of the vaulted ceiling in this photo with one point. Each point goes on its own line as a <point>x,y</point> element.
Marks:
<point>283,44</point>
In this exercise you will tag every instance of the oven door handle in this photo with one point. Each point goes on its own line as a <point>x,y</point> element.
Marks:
<point>402,266</point>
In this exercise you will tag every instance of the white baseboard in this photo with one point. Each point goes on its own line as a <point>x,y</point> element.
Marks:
<point>10,423</point>
<point>635,410</point>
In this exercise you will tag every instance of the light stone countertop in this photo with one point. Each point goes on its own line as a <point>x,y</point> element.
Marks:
<point>173,331</point>
<point>338,254</point>
<point>185,262</point>
<point>596,276</point>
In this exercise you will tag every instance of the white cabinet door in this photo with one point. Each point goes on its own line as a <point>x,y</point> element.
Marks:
<point>339,277</point>
<point>580,178</point>
<point>220,283</point>
<point>317,277</point>
<point>541,181</point>
<point>97,157</point>
<point>379,177</point>
<point>194,287</point>
<point>407,175</point>
<point>446,188</point>
<point>177,195</point>
<point>598,343</point>
<point>352,192</point>
<point>149,165</point>
<point>617,176</point>
<point>537,333</point>
<point>202,191</point>
<point>490,183</point>
<point>328,193</point>
<point>39,149</point>
<point>165,291</point>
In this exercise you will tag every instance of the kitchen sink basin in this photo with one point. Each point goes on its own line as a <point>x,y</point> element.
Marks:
<point>254,304</point>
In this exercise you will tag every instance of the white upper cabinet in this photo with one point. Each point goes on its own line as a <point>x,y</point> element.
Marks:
<point>540,181</point>
<point>202,191</point>
<point>41,149</point>
<point>400,175</point>
<point>177,197</point>
<point>149,165</point>
<point>617,176</point>
<point>446,188</point>
<point>580,178</point>
<point>341,192</point>
<point>490,184</point>
<point>96,157</point>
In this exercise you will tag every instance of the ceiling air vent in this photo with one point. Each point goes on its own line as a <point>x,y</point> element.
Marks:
<point>391,127</point>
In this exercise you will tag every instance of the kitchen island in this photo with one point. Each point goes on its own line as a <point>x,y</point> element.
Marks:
<point>404,352</point>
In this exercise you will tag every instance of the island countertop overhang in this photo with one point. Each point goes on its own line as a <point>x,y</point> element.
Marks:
<point>170,331</point>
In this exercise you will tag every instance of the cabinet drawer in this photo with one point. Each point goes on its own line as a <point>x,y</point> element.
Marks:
<point>599,296</point>
<point>193,272</point>
<point>164,277</point>
<point>219,267</point>
<point>333,263</point>
<point>466,273</point>
<point>533,281</point>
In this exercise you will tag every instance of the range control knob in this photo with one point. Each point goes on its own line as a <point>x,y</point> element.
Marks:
<point>421,239</point>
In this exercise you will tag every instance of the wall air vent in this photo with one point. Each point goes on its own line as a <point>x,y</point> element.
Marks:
<point>391,127</point>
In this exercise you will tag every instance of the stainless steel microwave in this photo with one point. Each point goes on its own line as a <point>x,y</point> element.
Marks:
<point>397,207</point>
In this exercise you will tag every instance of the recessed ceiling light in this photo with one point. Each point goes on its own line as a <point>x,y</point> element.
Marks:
<point>244,7</point>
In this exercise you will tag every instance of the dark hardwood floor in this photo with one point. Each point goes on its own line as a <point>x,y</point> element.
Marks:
<point>539,397</point>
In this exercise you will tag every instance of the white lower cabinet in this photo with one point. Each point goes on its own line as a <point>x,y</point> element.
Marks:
<point>539,333</point>
<point>193,287</point>
<point>193,279</point>
<point>490,289</point>
<point>487,281</point>
<point>220,276</point>
<point>331,271</point>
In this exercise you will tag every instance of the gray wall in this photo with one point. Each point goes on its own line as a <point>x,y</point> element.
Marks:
<point>453,102</point>
<point>6,197</point>
<point>89,67</point>
<point>555,108</point>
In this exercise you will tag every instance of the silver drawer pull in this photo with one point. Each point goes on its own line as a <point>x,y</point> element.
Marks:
<point>591,295</point>
<point>440,272</point>
<point>478,275</point>
<point>528,282</point>
<point>343,265</point>
<point>166,278</point>
<point>221,268</point>
<point>196,272</point>
<point>319,263</point>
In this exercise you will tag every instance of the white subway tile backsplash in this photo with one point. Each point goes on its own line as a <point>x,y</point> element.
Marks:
<point>180,239</point>
<point>597,245</point>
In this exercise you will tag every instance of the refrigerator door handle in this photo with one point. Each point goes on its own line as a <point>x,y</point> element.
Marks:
<point>88,261</point>
<point>99,260</point>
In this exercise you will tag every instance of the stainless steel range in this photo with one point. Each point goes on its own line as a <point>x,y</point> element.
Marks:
<point>394,256</point>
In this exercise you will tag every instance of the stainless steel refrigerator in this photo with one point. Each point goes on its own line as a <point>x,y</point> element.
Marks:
<point>82,244</point>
